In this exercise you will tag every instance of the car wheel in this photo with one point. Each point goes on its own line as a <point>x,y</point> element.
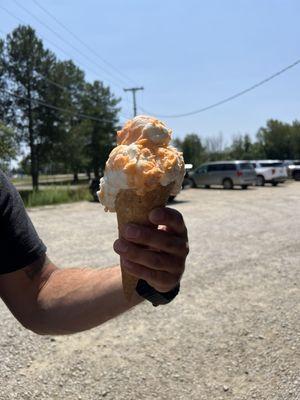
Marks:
<point>171,199</point>
<point>244,187</point>
<point>207,186</point>
<point>193,183</point>
<point>187,183</point>
<point>297,176</point>
<point>260,180</point>
<point>227,184</point>
<point>274,183</point>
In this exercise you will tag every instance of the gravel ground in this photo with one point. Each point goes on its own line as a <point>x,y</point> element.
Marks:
<point>233,333</point>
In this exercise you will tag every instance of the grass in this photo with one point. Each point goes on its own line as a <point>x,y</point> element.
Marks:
<point>55,195</point>
<point>62,179</point>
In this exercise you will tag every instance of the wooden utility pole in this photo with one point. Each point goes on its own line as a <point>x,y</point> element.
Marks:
<point>134,90</point>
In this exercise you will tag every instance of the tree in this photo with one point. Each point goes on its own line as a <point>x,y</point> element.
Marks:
<point>26,60</point>
<point>68,140</point>
<point>241,148</point>
<point>276,140</point>
<point>295,140</point>
<point>214,147</point>
<point>101,105</point>
<point>8,146</point>
<point>5,103</point>
<point>191,146</point>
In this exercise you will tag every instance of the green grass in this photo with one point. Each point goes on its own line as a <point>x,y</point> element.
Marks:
<point>55,195</point>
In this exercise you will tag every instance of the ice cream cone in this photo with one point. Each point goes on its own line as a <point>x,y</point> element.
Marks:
<point>133,208</point>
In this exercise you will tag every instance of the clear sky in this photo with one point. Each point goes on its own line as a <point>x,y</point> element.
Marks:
<point>186,53</point>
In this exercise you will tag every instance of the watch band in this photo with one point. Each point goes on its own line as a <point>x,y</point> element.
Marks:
<point>155,297</point>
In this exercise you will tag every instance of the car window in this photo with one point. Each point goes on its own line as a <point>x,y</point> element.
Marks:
<point>254,165</point>
<point>202,170</point>
<point>270,164</point>
<point>214,168</point>
<point>228,167</point>
<point>211,168</point>
<point>221,167</point>
<point>246,166</point>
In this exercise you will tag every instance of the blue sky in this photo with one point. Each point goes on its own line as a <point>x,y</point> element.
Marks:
<point>186,53</point>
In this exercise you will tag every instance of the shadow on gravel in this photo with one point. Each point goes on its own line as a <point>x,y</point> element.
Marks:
<point>175,201</point>
<point>221,189</point>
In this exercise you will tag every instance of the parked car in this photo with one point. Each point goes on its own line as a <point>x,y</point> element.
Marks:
<point>293,168</point>
<point>270,171</point>
<point>94,187</point>
<point>225,173</point>
<point>187,183</point>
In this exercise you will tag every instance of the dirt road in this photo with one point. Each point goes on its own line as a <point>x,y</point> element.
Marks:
<point>233,333</point>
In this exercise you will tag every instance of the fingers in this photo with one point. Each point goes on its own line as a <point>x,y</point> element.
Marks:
<point>158,239</point>
<point>160,280</point>
<point>155,253</point>
<point>157,261</point>
<point>168,217</point>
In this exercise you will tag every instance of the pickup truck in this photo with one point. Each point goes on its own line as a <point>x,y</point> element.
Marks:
<point>294,170</point>
<point>270,171</point>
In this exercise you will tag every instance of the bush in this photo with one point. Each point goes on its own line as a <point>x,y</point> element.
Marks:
<point>55,195</point>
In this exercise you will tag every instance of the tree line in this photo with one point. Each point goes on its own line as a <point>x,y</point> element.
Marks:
<point>69,124</point>
<point>277,140</point>
<point>47,105</point>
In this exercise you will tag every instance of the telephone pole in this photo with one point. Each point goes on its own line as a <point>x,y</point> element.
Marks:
<point>134,90</point>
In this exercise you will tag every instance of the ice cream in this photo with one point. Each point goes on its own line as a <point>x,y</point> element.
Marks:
<point>140,174</point>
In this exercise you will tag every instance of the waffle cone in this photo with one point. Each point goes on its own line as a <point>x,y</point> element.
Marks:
<point>135,209</point>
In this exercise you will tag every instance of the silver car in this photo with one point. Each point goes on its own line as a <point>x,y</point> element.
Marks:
<point>225,173</point>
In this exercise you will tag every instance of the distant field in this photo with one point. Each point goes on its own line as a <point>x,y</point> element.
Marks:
<point>53,189</point>
<point>50,195</point>
<point>25,180</point>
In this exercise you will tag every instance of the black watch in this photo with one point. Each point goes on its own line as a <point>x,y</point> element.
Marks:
<point>156,298</point>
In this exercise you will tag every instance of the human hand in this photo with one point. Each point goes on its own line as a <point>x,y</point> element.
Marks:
<point>157,253</point>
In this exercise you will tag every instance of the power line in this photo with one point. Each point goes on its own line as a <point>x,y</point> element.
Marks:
<point>55,45</point>
<point>67,42</point>
<point>82,42</point>
<point>64,88</point>
<point>51,106</point>
<point>47,40</point>
<point>60,86</point>
<point>227,99</point>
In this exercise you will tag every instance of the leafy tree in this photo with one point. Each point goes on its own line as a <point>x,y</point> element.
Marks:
<point>26,60</point>
<point>8,146</point>
<point>242,148</point>
<point>68,141</point>
<point>295,140</point>
<point>5,112</point>
<point>191,146</point>
<point>101,105</point>
<point>275,140</point>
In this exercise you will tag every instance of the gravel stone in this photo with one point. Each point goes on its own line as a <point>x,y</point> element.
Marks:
<point>232,333</point>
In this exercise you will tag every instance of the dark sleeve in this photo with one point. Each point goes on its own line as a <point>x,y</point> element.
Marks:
<point>20,244</point>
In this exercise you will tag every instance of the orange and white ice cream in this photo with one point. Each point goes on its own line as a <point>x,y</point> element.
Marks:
<point>143,160</point>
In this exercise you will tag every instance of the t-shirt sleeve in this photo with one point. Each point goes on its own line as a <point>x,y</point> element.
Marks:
<point>20,244</point>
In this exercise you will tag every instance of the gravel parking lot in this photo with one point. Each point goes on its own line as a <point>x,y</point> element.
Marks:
<point>233,333</point>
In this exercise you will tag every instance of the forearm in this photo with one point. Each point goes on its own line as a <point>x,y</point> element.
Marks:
<point>74,300</point>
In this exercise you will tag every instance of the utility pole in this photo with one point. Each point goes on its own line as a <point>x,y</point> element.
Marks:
<point>134,90</point>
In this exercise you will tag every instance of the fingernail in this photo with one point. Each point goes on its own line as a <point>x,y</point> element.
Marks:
<point>132,232</point>
<point>120,246</point>
<point>156,214</point>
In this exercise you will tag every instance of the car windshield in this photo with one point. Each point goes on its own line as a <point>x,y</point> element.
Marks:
<point>272,164</point>
<point>296,163</point>
<point>246,166</point>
